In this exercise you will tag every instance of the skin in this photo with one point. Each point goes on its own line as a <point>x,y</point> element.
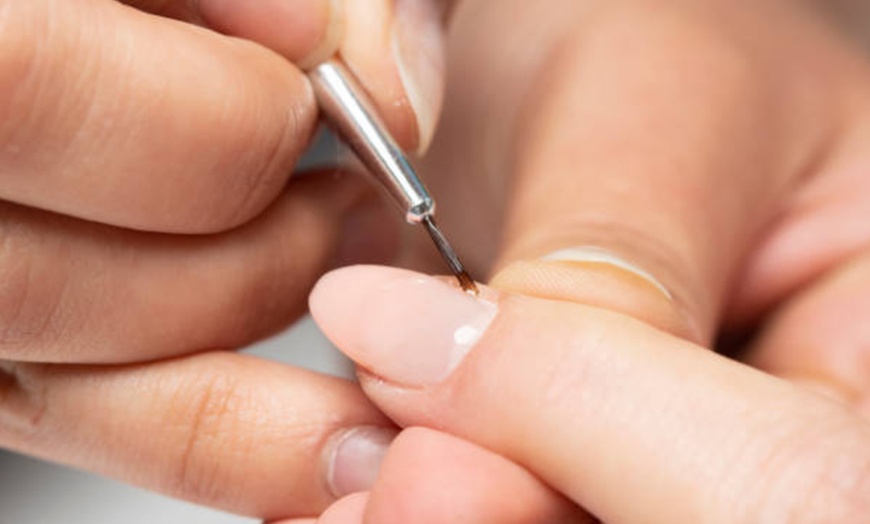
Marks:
<point>149,222</point>
<point>751,154</point>
<point>684,138</point>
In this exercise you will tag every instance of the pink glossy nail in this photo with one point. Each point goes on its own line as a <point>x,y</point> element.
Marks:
<point>408,328</point>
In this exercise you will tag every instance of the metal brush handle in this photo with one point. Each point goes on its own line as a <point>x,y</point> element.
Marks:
<point>352,116</point>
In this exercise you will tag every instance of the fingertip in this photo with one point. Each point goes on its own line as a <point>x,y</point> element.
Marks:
<point>406,327</point>
<point>304,31</point>
<point>349,510</point>
<point>431,477</point>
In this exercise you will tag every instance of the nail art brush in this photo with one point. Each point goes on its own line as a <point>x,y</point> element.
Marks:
<point>352,116</point>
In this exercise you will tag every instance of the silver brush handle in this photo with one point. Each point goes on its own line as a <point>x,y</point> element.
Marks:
<point>351,114</point>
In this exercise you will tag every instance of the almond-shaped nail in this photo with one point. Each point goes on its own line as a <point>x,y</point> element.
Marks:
<point>408,328</point>
<point>418,48</point>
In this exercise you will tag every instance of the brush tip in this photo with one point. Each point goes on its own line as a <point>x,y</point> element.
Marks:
<point>465,281</point>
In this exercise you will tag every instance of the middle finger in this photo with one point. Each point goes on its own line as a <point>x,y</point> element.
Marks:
<point>79,292</point>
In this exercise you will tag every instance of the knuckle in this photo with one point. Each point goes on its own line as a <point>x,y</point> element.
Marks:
<point>32,311</point>
<point>701,56</point>
<point>259,155</point>
<point>44,100</point>
<point>21,67</point>
<point>211,428</point>
<point>22,403</point>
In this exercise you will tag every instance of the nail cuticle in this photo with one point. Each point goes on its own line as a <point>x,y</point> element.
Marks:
<point>597,255</point>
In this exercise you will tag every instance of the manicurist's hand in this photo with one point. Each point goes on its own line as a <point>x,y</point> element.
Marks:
<point>657,175</point>
<point>146,215</point>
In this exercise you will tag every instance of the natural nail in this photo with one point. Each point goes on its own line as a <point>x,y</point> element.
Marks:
<point>418,47</point>
<point>355,458</point>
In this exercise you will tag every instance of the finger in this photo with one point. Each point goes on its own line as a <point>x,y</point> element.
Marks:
<point>349,510</point>
<point>429,477</point>
<point>818,338</point>
<point>395,47</point>
<point>304,31</point>
<point>790,256</point>
<point>662,167</point>
<point>600,406</point>
<point>78,292</point>
<point>220,429</point>
<point>158,126</point>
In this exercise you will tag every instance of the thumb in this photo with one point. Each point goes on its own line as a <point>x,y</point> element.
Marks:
<point>640,151</point>
<point>633,424</point>
<point>396,47</point>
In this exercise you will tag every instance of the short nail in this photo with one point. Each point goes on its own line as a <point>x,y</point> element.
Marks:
<point>418,47</point>
<point>370,235</point>
<point>355,457</point>
<point>597,255</point>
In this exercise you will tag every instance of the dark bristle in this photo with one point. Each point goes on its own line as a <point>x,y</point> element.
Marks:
<point>465,281</point>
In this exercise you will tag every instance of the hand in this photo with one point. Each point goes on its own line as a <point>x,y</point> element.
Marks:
<point>685,164</point>
<point>631,423</point>
<point>145,218</point>
<point>690,166</point>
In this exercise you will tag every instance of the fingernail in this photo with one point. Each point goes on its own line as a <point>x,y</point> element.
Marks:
<point>418,47</point>
<point>597,255</point>
<point>370,235</point>
<point>331,38</point>
<point>355,457</point>
<point>407,328</point>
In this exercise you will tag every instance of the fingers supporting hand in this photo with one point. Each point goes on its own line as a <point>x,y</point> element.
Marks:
<point>219,429</point>
<point>580,396</point>
<point>163,126</point>
<point>78,292</point>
